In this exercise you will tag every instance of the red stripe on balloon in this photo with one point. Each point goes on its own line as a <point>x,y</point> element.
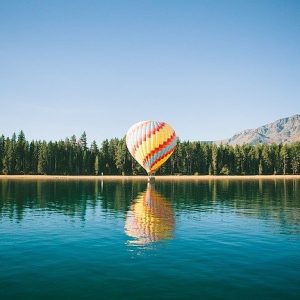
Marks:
<point>160,147</point>
<point>130,134</point>
<point>147,134</point>
<point>162,157</point>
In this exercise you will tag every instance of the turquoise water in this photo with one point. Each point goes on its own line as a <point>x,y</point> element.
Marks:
<point>124,240</point>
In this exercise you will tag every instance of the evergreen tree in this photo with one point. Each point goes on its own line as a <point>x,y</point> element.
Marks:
<point>214,159</point>
<point>83,141</point>
<point>284,158</point>
<point>96,165</point>
<point>295,157</point>
<point>120,156</point>
<point>266,160</point>
<point>42,158</point>
<point>20,153</point>
<point>9,156</point>
<point>2,149</point>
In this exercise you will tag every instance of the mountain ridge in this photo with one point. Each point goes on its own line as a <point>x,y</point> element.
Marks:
<point>284,130</point>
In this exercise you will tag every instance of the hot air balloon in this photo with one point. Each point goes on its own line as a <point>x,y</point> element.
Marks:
<point>151,143</point>
<point>150,218</point>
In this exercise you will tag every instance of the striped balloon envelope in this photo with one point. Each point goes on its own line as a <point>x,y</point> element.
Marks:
<point>151,143</point>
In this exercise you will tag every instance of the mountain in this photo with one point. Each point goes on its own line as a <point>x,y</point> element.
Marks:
<point>286,130</point>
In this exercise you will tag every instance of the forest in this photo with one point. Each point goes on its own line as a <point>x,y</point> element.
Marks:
<point>74,156</point>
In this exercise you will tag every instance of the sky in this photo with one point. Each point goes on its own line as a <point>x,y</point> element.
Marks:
<point>208,68</point>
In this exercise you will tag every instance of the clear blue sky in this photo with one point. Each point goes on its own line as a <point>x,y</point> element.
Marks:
<point>209,68</point>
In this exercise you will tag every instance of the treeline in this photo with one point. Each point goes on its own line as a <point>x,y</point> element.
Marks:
<point>74,157</point>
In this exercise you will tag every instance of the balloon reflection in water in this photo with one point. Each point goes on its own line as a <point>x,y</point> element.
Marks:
<point>150,218</point>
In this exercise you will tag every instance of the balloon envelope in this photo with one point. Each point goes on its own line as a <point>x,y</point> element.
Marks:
<point>151,143</point>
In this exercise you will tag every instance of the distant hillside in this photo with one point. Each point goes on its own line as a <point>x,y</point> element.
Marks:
<point>286,130</point>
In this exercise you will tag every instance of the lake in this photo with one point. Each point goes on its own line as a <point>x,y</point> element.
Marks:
<point>224,239</point>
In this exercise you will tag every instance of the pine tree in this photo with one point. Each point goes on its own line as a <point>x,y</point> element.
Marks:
<point>266,160</point>
<point>96,165</point>
<point>284,158</point>
<point>9,156</point>
<point>83,141</point>
<point>120,156</point>
<point>20,153</point>
<point>2,148</point>
<point>214,159</point>
<point>295,157</point>
<point>42,158</point>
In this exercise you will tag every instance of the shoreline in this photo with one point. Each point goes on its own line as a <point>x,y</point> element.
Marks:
<point>145,177</point>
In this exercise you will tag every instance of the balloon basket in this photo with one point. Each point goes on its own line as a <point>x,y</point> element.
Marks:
<point>151,179</point>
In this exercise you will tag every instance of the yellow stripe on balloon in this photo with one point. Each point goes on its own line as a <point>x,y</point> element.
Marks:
<point>160,162</point>
<point>155,140</point>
